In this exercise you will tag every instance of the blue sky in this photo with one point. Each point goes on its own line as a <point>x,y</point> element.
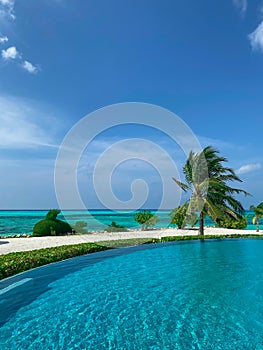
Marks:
<point>63,59</point>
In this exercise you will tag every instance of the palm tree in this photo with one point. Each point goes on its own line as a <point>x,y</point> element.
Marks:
<point>206,178</point>
<point>258,210</point>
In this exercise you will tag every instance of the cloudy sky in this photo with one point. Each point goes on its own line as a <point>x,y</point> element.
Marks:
<point>61,60</point>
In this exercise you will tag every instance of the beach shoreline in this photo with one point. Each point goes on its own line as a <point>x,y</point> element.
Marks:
<point>10,245</point>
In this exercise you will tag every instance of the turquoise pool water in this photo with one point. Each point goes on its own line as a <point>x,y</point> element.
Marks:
<point>168,296</point>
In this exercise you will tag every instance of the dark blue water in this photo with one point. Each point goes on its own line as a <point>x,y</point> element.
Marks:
<point>178,296</point>
<point>18,222</point>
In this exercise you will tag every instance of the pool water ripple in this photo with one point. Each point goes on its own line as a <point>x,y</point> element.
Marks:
<point>180,296</point>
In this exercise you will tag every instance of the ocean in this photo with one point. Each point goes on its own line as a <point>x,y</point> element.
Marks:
<point>14,222</point>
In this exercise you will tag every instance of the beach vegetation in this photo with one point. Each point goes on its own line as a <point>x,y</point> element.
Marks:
<point>51,226</point>
<point>80,227</point>
<point>240,223</point>
<point>180,216</point>
<point>146,218</point>
<point>113,227</point>
<point>258,210</point>
<point>207,180</point>
<point>14,263</point>
<point>52,214</point>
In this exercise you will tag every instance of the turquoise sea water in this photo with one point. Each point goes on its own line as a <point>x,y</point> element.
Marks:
<point>167,296</point>
<point>14,222</point>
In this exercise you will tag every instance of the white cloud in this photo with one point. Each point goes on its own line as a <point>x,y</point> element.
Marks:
<point>3,39</point>
<point>256,38</point>
<point>29,67</point>
<point>7,2</point>
<point>7,9</point>
<point>241,5</point>
<point>7,12</point>
<point>248,168</point>
<point>10,54</point>
<point>23,125</point>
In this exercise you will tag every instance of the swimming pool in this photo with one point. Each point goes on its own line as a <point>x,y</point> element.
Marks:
<point>194,295</point>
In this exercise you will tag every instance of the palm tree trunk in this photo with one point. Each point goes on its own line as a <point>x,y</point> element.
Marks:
<point>257,226</point>
<point>201,224</point>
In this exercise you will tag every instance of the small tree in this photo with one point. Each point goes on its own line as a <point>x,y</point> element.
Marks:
<point>80,227</point>
<point>258,210</point>
<point>180,216</point>
<point>146,218</point>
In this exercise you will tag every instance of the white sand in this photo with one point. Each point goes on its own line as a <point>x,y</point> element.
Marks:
<point>9,245</point>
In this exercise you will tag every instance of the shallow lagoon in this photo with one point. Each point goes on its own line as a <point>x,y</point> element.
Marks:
<point>15,222</point>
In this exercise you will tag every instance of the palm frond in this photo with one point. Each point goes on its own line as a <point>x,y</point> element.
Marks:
<point>214,211</point>
<point>208,179</point>
<point>183,186</point>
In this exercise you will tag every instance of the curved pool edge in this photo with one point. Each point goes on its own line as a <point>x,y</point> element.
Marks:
<point>36,281</point>
<point>112,252</point>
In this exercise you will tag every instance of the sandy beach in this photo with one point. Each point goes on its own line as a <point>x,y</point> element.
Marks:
<point>9,245</point>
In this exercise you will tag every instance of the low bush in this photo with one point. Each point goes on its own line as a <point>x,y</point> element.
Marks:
<point>146,218</point>
<point>240,223</point>
<point>51,226</point>
<point>13,263</point>
<point>113,227</point>
<point>203,238</point>
<point>80,227</point>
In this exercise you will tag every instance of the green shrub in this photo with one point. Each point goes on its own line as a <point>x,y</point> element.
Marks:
<point>13,263</point>
<point>113,227</point>
<point>52,214</point>
<point>52,231</point>
<point>180,217</point>
<point>240,223</point>
<point>80,227</point>
<point>146,218</point>
<point>51,226</point>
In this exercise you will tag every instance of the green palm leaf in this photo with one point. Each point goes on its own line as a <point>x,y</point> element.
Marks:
<point>181,184</point>
<point>208,180</point>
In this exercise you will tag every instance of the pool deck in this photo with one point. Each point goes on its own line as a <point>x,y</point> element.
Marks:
<point>9,245</point>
